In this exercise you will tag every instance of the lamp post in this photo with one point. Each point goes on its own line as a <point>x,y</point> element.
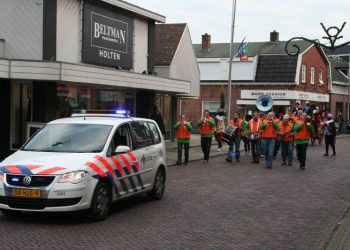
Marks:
<point>230,62</point>
<point>348,104</point>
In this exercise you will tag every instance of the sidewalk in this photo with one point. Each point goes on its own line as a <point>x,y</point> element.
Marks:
<point>196,153</point>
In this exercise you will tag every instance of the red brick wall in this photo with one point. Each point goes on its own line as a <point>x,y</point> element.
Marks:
<point>314,58</point>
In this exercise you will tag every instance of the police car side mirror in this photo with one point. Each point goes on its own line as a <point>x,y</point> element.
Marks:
<point>122,149</point>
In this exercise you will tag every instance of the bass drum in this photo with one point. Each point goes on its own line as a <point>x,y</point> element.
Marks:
<point>230,134</point>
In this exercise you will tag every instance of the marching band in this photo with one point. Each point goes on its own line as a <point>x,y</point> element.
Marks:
<point>264,133</point>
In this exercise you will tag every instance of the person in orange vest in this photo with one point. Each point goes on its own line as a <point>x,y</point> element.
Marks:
<point>183,135</point>
<point>253,134</point>
<point>238,123</point>
<point>206,125</point>
<point>287,142</point>
<point>269,129</point>
<point>302,130</point>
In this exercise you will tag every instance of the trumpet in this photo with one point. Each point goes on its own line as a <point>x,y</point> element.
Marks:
<point>204,119</point>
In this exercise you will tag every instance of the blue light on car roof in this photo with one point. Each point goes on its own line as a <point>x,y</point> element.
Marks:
<point>121,112</point>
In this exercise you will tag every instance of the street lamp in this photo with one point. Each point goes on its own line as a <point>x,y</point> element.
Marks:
<point>230,63</point>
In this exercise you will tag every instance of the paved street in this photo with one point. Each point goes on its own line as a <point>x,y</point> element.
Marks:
<point>214,206</point>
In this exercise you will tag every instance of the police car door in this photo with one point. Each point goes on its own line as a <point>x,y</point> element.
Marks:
<point>125,165</point>
<point>144,150</point>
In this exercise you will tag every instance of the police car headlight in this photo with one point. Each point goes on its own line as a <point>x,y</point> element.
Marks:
<point>73,177</point>
<point>1,175</point>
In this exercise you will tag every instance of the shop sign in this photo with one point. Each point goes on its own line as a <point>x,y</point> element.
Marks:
<point>107,37</point>
<point>275,94</point>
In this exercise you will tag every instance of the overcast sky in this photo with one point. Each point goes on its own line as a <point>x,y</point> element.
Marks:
<point>255,19</point>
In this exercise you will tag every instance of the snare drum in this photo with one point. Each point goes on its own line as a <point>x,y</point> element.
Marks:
<point>230,134</point>
<point>255,136</point>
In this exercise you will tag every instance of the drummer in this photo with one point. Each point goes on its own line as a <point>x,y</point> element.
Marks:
<point>237,122</point>
<point>253,133</point>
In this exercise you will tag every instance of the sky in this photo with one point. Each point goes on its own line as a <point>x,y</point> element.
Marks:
<point>254,19</point>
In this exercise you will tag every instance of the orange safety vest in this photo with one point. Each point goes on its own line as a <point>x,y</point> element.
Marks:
<point>238,125</point>
<point>205,128</point>
<point>269,131</point>
<point>254,126</point>
<point>183,132</point>
<point>286,130</point>
<point>303,133</point>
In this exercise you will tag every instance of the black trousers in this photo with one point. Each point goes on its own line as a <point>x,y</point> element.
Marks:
<point>181,145</point>
<point>246,144</point>
<point>255,146</point>
<point>301,153</point>
<point>206,145</point>
<point>330,140</point>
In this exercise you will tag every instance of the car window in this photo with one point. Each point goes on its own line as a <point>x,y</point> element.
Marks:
<point>141,134</point>
<point>70,138</point>
<point>121,137</point>
<point>154,132</point>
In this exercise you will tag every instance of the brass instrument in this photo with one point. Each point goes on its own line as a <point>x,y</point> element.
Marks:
<point>264,103</point>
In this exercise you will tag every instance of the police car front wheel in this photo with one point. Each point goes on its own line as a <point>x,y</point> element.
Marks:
<point>101,202</point>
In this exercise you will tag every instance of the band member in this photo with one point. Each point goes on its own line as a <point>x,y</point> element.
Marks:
<point>298,115</point>
<point>269,129</point>
<point>206,125</point>
<point>329,133</point>
<point>220,124</point>
<point>302,130</point>
<point>287,140</point>
<point>253,133</point>
<point>183,135</point>
<point>237,122</point>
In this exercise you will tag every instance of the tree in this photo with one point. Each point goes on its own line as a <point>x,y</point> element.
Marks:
<point>222,98</point>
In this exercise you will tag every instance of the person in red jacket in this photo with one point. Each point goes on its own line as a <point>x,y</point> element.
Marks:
<point>269,129</point>
<point>206,125</point>
<point>183,135</point>
<point>287,134</point>
<point>302,130</point>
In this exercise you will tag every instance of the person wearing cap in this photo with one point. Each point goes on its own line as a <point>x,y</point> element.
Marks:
<point>287,142</point>
<point>302,130</point>
<point>329,133</point>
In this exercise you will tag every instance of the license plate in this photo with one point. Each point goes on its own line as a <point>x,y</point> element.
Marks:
<point>27,193</point>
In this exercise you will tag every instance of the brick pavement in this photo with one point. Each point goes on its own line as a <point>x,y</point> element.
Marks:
<point>214,206</point>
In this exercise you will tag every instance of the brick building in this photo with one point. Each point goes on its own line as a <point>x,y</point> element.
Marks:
<point>269,70</point>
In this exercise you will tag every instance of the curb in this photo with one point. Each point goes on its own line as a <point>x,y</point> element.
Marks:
<point>341,233</point>
<point>200,159</point>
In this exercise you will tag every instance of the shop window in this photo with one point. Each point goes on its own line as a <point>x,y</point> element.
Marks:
<point>21,113</point>
<point>212,107</point>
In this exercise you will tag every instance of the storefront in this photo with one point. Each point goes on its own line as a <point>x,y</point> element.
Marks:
<point>283,100</point>
<point>95,56</point>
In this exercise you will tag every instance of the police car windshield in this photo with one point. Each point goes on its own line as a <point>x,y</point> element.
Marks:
<point>72,138</point>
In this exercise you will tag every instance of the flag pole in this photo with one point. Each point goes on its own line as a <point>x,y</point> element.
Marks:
<point>230,63</point>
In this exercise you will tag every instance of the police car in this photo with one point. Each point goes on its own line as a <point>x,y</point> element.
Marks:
<point>84,162</point>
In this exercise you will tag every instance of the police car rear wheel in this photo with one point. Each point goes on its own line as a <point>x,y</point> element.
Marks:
<point>101,202</point>
<point>10,212</point>
<point>159,185</point>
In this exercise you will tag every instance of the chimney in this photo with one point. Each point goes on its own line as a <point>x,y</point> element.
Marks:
<point>206,42</point>
<point>274,37</point>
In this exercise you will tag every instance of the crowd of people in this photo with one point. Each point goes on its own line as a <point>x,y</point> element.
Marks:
<point>263,135</point>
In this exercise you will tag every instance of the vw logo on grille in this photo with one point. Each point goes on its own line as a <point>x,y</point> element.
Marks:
<point>27,180</point>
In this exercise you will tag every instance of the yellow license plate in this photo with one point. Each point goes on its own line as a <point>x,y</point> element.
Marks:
<point>27,193</point>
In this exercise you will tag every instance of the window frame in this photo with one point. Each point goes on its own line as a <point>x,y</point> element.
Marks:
<point>152,134</point>
<point>320,77</point>
<point>312,75</point>
<point>303,73</point>
<point>134,135</point>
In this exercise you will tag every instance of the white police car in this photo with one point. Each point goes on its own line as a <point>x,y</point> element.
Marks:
<point>86,161</point>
